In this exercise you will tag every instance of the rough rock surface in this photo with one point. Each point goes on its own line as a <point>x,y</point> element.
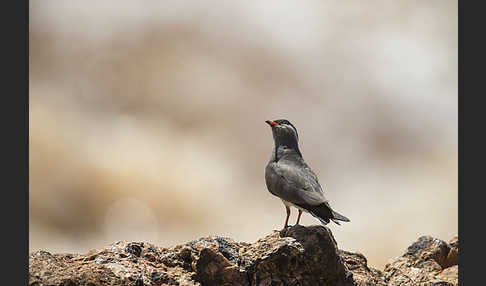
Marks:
<point>296,256</point>
<point>429,261</point>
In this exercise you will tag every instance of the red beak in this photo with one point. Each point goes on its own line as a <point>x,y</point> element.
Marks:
<point>271,123</point>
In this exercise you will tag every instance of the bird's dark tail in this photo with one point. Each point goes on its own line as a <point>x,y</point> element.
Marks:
<point>337,216</point>
<point>324,213</point>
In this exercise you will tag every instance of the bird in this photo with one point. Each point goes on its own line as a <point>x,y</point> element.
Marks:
<point>288,177</point>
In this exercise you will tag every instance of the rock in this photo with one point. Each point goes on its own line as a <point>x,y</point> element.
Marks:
<point>361,273</point>
<point>428,260</point>
<point>297,255</point>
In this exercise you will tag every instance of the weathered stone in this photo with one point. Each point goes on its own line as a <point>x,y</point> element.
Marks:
<point>297,255</point>
<point>428,260</point>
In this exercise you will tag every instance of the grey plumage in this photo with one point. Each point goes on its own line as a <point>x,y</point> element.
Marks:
<point>288,176</point>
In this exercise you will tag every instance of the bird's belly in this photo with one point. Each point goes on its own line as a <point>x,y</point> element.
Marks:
<point>289,204</point>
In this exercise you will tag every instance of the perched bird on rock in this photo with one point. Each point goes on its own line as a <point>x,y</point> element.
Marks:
<point>289,177</point>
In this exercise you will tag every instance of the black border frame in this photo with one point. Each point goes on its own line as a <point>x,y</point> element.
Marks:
<point>15,209</point>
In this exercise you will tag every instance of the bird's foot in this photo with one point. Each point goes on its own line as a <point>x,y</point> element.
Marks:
<point>283,231</point>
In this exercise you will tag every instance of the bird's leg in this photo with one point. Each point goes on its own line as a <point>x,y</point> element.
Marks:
<point>298,218</point>
<point>288,215</point>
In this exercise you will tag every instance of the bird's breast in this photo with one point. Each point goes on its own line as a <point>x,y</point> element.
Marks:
<point>271,178</point>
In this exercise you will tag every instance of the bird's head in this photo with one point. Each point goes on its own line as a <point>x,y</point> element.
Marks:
<point>284,132</point>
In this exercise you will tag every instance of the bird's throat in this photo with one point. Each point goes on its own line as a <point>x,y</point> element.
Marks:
<point>282,150</point>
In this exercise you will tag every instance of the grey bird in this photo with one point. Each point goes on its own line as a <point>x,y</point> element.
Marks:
<point>288,177</point>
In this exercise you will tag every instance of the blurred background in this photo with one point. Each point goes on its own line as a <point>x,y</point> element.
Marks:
<point>147,119</point>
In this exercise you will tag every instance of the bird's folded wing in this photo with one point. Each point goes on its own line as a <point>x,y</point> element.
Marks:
<point>297,184</point>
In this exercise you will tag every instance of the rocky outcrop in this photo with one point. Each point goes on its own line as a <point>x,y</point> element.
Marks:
<point>296,256</point>
<point>428,260</point>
